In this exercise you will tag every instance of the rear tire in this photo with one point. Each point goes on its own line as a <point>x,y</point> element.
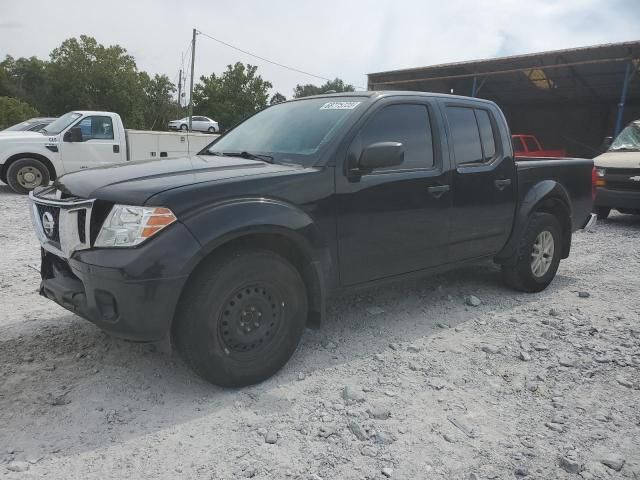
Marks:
<point>25,174</point>
<point>241,317</point>
<point>603,212</point>
<point>534,269</point>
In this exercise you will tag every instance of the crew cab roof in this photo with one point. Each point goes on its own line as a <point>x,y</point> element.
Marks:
<point>375,94</point>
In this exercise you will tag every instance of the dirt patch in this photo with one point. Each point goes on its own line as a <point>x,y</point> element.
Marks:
<point>407,381</point>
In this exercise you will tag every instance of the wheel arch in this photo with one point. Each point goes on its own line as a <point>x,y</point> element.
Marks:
<point>47,163</point>
<point>547,196</point>
<point>282,242</point>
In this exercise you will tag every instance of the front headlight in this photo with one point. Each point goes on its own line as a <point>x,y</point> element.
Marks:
<point>127,226</point>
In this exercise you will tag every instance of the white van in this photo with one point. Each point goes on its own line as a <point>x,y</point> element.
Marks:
<point>618,174</point>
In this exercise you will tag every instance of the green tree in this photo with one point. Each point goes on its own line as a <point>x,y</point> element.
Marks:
<point>159,106</point>
<point>277,98</point>
<point>308,89</point>
<point>87,75</point>
<point>232,96</point>
<point>14,111</point>
<point>27,80</point>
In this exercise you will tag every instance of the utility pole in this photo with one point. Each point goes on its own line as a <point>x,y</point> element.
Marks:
<point>193,61</point>
<point>180,90</point>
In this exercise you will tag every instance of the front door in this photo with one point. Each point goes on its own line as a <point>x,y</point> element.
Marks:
<point>483,182</point>
<point>99,146</point>
<point>394,220</point>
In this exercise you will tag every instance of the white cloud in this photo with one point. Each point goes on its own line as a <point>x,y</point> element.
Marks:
<point>333,38</point>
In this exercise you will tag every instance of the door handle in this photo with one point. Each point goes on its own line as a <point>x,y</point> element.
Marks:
<point>437,191</point>
<point>116,149</point>
<point>500,184</point>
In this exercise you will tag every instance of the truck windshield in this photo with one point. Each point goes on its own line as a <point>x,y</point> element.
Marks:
<point>628,140</point>
<point>61,123</point>
<point>292,131</point>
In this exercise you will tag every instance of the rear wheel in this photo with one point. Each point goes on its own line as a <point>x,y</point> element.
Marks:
<point>25,174</point>
<point>538,255</point>
<point>241,317</point>
<point>602,212</point>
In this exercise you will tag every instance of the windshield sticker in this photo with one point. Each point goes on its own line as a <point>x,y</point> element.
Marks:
<point>340,105</point>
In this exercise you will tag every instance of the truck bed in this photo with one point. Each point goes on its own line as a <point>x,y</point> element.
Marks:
<point>573,173</point>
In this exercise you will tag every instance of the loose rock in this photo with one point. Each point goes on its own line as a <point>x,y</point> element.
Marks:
<point>614,461</point>
<point>387,472</point>
<point>357,431</point>
<point>584,294</point>
<point>492,349</point>
<point>570,465</point>
<point>18,466</point>
<point>472,301</point>
<point>379,413</point>
<point>353,394</point>
<point>271,437</point>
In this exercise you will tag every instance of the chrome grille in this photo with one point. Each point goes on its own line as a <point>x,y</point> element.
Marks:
<point>71,217</point>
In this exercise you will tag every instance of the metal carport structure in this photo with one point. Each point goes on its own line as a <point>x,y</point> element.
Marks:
<point>569,98</point>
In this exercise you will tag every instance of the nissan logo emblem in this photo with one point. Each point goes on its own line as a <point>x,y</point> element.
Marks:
<point>48,224</point>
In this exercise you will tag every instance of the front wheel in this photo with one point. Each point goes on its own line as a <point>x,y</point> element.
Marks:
<point>241,317</point>
<point>184,127</point>
<point>212,130</point>
<point>25,174</point>
<point>538,255</point>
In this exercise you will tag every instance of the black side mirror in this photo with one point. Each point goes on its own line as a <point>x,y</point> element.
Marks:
<point>606,143</point>
<point>74,134</point>
<point>380,155</point>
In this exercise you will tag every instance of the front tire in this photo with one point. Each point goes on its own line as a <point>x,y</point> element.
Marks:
<point>241,317</point>
<point>211,130</point>
<point>603,212</point>
<point>539,255</point>
<point>25,174</point>
<point>184,127</point>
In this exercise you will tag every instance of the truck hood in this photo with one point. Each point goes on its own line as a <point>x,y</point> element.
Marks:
<point>134,183</point>
<point>23,137</point>
<point>618,160</point>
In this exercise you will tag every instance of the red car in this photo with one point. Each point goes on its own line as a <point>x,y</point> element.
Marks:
<point>529,146</point>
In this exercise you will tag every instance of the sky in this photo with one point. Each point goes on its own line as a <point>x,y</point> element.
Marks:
<point>332,38</point>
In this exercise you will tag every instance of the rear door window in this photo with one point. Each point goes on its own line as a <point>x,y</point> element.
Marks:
<point>472,134</point>
<point>486,134</point>
<point>465,135</point>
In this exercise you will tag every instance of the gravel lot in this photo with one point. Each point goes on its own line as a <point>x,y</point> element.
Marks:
<point>404,382</point>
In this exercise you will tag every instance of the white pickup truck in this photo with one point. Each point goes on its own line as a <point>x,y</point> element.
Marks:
<point>85,139</point>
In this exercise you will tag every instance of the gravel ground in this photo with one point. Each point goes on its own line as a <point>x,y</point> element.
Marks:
<point>406,381</point>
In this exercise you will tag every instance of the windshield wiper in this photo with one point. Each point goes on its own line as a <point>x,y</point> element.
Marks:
<point>250,156</point>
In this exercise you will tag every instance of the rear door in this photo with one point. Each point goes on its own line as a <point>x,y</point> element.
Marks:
<point>394,220</point>
<point>100,145</point>
<point>199,124</point>
<point>483,181</point>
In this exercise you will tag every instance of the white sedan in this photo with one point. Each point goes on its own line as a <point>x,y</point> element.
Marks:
<point>198,124</point>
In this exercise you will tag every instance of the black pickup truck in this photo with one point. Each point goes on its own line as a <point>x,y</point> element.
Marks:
<point>233,252</point>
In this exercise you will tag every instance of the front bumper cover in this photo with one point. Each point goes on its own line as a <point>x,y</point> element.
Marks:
<point>131,293</point>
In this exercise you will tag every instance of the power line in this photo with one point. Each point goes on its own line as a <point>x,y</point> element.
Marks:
<point>262,58</point>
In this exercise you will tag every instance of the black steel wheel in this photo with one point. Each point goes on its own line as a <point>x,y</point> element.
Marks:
<point>241,317</point>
